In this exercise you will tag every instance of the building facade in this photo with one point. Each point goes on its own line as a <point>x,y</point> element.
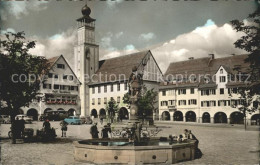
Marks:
<point>106,79</point>
<point>204,90</point>
<point>86,53</point>
<point>59,91</point>
<point>113,81</point>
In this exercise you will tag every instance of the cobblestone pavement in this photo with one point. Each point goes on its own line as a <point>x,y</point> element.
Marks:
<point>220,145</point>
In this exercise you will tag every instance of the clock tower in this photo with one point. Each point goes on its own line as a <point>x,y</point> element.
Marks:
<point>86,54</point>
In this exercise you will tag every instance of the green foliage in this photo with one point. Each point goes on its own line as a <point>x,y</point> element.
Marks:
<point>250,42</point>
<point>112,109</point>
<point>145,103</point>
<point>15,62</point>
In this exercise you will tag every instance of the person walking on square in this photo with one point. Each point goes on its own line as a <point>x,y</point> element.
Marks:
<point>22,126</point>
<point>64,128</point>
<point>94,131</point>
<point>105,130</point>
<point>185,134</point>
<point>198,153</point>
<point>46,125</point>
<point>193,137</point>
<point>101,120</point>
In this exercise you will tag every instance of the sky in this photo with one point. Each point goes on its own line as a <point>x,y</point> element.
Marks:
<point>172,30</point>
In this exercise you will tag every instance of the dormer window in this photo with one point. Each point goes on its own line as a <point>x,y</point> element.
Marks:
<point>221,71</point>
<point>206,80</point>
<point>61,66</point>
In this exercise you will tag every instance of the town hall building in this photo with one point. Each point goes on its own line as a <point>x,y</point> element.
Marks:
<point>106,79</point>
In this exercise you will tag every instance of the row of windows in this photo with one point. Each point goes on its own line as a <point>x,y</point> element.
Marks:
<point>61,87</point>
<point>211,103</point>
<point>180,102</point>
<point>111,88</point>
<point>203,92</point>
<point>65,77</point>
<point>180,92</point>
<point>105,100</point>
<point>208,92</point>
<point>62,99</point>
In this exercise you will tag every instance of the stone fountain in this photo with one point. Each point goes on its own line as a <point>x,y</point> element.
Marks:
<point>137,149</point>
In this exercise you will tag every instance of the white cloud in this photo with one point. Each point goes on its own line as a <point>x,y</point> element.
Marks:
<point>129,47</point>
<point>39,50</point>
<point>112,3</point>
<point>147,36</point>
<point>8,30</point>
<point>119,34</point>
<point>198,43</point>
<point>61,43</point>
<point>18,8</point>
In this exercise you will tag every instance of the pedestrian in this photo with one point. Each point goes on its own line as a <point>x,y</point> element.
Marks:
<point>104,132</point>
<point>185,134</point>
<point>101,120</point>
<point>193,137</point>
<point>22,126</point>
<point>94,131</point>
<point>16,128</point>
<point>64,128</point>
<point>46,125</point>
<point>109,130</point>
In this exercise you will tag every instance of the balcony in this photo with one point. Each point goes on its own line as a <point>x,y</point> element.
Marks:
<point>62,102</point>
<point>172,108</point>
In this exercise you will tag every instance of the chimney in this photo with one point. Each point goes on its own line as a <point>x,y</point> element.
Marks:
<point>191,58</point>
<point>211,56</point>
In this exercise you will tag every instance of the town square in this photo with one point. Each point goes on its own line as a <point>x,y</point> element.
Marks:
<point>97,83</point>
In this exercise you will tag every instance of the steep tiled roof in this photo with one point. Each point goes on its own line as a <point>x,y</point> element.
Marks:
<point>195,66</point>
<point>229,63</point>
<point>207,65</point>
<point>203,66</point>
<point>52,61</point>
<point>120,65</point>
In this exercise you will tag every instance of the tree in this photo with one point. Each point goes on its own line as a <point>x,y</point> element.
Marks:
<point>145,104</point>
<point>246,103</point>
<point>21,73</point>
<point>112,109</point>
<point>250,42</point>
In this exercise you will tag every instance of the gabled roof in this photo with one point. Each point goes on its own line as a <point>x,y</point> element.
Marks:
<point>52,61</point>
<point>207,66</point>
<point>195,66</point>
<point>120,65</point>
<point>229,63</point>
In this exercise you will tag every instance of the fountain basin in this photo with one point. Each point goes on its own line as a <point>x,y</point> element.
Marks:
<point>120,151</point>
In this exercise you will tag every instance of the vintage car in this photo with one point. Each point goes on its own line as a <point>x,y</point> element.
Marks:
<point>73,120</point>
<point>86,120</point>
<point>28,119</point>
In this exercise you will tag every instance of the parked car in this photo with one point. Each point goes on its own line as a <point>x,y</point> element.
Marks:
<point>28,119</point>
<point>42,117</point>
<point>73,120</point>
<point>88,120</point>
<point>5,119</point>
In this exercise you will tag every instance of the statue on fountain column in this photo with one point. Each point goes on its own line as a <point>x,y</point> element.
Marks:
<point>135,84</point>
